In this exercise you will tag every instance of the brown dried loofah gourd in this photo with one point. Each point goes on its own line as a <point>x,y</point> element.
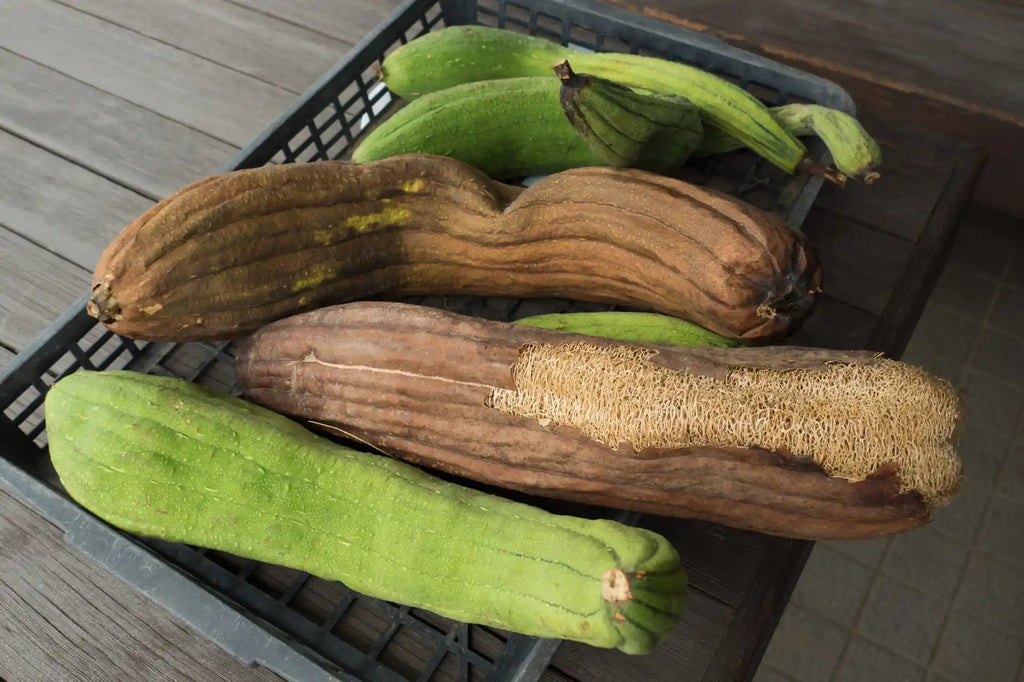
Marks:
<point>234,251</point>
<point>799,442</point>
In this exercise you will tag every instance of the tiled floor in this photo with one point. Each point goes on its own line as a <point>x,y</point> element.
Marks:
<point>943,603</point>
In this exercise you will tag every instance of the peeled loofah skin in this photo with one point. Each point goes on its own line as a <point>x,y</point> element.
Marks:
<point>799,442</point>
<point>851,419</point>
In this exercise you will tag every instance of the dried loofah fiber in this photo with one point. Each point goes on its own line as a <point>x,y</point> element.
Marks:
<point>849,418</point>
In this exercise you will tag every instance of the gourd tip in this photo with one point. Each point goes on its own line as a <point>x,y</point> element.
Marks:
<point>615,586</point>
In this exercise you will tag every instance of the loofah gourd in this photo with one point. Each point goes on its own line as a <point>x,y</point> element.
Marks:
<point>851,419</point>
<point>809,443</point>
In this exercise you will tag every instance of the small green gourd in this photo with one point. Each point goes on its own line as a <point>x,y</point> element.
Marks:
<point>508,129</point>
<point>161,457</point>
<point>629,326</point>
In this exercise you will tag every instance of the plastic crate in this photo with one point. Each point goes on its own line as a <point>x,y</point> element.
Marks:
<point>299,626</point>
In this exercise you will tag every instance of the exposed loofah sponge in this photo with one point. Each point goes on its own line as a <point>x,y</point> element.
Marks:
<point>849,418</point>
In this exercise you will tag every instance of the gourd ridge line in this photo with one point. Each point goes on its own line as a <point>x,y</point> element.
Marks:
<point>702,206</point>
<point>392,474</point>
<point>336,536</point>
<point>690,238</point>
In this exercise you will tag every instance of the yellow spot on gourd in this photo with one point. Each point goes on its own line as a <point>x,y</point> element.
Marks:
<point>152,309</point>
<point>303,300</point>
<point>358,224</point>
<point>413,186</point>
<point>387,216</point>
<point>316,275</point>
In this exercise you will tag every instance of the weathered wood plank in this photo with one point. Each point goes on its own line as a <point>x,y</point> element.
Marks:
<point>63,207</point>
<point>918,278</point>
<point>844,246</point>
<point>64,618</point>
<point>254,43</point>
<point>191,90</point>
<point>345,21</point>
<point>1001,139</point>
<point>742,645</point>
<point>35,287</point>
<point>940,46</point>
<point>836,325</point>
<point>684,655</point>
<point>930,103</point>
<point>139,149</point>
<point>915,168</point>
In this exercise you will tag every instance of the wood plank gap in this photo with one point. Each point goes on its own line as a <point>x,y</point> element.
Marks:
<point>235,107</point>
<point>311,29</point>
<point>862,223</point>
<point>176,47</point>
<point>901,316</point>
<point>33,242</point>
<point>95,171</point>
<point>122,98</point>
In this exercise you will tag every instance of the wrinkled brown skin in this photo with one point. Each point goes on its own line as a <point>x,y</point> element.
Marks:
<point>415,385</point>
<point>222,257</point>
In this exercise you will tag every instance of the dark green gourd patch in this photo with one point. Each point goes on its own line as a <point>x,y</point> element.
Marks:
<point>165,458</point>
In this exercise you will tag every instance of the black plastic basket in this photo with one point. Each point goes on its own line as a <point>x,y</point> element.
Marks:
<point>299,626</point>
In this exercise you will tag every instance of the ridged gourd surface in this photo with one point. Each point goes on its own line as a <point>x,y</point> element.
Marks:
<point>164,458</point>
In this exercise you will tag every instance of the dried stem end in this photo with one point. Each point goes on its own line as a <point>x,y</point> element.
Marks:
<point>615,587</point>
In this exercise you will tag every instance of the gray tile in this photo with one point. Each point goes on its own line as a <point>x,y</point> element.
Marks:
<point>939,366</point>
<point>1003,533</point>
<point>804,645</point>
<point>961,519</point>
<point>970,650</point>
<point>867,552</point>
<point>942,332</point>
<point>927,559</point>
<point>906,619</point>
<point>965,291</point>
<point>766,674</point>
<point>833,585</point>
<point>868,662</point>
<point>1008,311</point>
<point>1000,355</point>
<point>1011,476</point>
<point>991,404</point>
<point>993,591</point>
<point>983,454</point>
<point>1015,276</point>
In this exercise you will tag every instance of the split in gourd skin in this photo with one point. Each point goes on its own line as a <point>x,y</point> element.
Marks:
<point>798,442</point>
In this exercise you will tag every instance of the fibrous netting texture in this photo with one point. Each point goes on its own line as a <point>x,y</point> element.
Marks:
<point>849,418</point>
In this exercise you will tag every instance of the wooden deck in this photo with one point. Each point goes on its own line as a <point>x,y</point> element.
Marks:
<point>952,67</point>
<point>106,106</point>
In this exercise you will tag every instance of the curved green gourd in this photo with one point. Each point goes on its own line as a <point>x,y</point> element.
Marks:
<point>461,54</point>
<point>855,153</point>
<point>165,458</point>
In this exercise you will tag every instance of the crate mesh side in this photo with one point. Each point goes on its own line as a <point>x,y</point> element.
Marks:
<point>346,628</point>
